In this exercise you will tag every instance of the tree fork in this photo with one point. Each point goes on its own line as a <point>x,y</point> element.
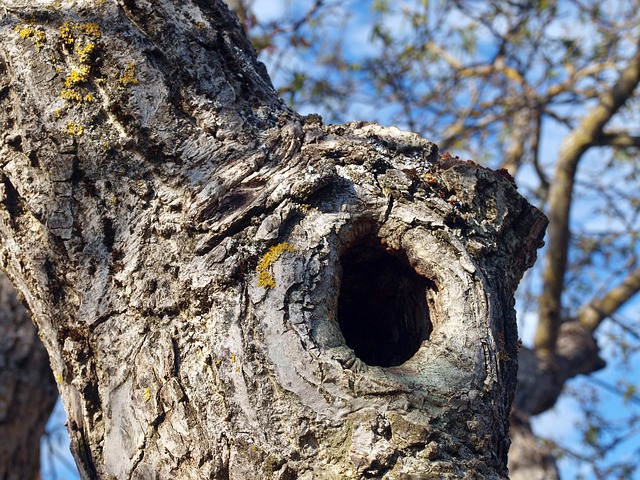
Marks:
<point>229,290</point>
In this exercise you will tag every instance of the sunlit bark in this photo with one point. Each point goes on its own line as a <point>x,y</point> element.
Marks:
<point>230,290</point>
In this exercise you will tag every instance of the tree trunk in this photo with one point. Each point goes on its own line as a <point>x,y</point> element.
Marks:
<point>539,386</point>
<point>27,389</point>
<point>229,290</point>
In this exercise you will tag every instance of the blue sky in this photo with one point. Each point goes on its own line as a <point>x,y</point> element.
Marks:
<point>56,462</point>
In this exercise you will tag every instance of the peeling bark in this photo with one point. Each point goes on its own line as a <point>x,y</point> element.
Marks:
<point>229,290</point>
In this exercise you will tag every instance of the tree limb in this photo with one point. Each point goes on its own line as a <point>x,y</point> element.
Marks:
<point>617,140</point>
<point>560,196</point>
<point>535,149</point>
<point>593,313</point>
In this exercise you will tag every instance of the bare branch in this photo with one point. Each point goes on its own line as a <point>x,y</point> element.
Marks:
<point>535,148</point>
<point>560,195</point>
<point>570,83</point>
<point>593,313</point>
<point>620,140</point>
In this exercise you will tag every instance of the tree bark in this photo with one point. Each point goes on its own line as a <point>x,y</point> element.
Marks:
<point>27,389</point>
<point>229,290</point>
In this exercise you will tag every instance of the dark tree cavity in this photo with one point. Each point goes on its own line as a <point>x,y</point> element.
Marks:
<point>382,307</point>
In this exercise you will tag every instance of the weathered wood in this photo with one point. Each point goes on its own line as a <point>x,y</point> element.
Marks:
<point>230,290</point>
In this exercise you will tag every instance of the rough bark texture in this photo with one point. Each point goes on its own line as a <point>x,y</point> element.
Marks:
<point>27,389</point>
<point>229,290</point>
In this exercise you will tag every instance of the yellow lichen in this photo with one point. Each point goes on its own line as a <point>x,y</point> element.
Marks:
<point>74,129</point>
<point>265,277</point>
<point>28,31</point>
<point>68,31</point>
<point>129,77</point>
<point>91,28</point>
<point>77,76</point>
<point>147,394</point>
<point>84,52</point>
<point>65,33</point>
<point>71,95</point>
<point>57,113</point>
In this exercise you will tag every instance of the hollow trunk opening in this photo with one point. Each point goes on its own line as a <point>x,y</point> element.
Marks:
<point>382,307</point>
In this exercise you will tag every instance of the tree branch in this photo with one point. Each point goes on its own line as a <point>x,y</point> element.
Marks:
<point>535,149</point>
<point>593,313</point>
<point>560,195</point>
<point>620,140</point>
<point>569,84</point>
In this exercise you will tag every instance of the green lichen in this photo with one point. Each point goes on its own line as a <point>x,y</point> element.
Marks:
<point>265,277</point>
<point>272,463</point>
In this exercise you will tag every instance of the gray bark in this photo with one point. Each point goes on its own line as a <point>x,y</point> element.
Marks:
<point>229,290</point>
<point>27,389</point>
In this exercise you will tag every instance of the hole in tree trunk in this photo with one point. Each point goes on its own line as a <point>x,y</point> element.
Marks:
<point>382,307</point>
